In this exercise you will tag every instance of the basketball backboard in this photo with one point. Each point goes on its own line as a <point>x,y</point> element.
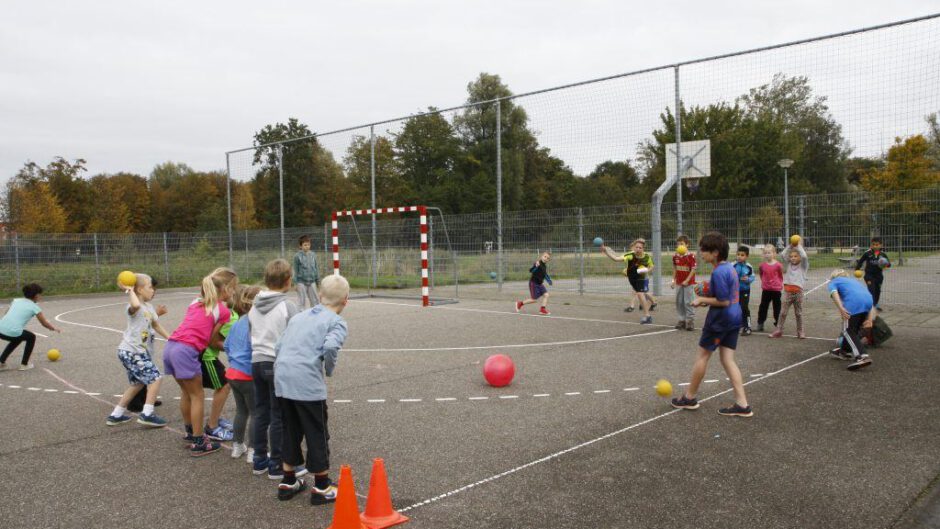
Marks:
<point>696,160</point>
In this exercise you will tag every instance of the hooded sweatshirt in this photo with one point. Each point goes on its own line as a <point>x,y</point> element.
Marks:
<point>268,319</point>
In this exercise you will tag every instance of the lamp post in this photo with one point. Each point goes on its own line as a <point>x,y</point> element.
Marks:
<point>786,163</point>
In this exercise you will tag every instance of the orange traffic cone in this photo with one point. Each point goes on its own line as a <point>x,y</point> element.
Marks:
<point>346,512</point>
<point>379,512</point>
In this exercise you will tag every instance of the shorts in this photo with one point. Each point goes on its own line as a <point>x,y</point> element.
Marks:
<point>140,367</point>
<point>712,340</point>
<point>181,360</point>
<point>640,285</point>
<point>213,374</point>
<point>536,290</point>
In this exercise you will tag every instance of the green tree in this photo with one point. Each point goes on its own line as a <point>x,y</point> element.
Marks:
<point>429,155</point>
<point>390,188</point>
<point>31,207</point>
<point>163,179</point>
<point>907,167</point>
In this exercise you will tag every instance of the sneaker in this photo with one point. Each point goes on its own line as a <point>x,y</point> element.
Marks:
<point>776,334</point>
<point>653,306</point>
<point>646,321</point>
<point>685,403</point>
<point>629,309</point>
<point>746,331</point>
<point>300,470</point>
<point>801,335</point>
<point>681,325</point>
<point>859,363</point>
<point>219,434</point>
<point>275,471</point>
<point>737,411</point>
<point>287,491</point>
<point>760,327</point>
<point>690,325</point>
<point>323,496</point>
<point>153,420</point>
<point>250,455</point>
<point>188,438</point>
<point>519,305</point>
<point>225,423</point>
<point>260,466</point>
<point>204,448</point>
<point>238,450</point>
<point>114,421</point>
<point>25,367</point>
<point>838,353</point>
<point>543,311</point>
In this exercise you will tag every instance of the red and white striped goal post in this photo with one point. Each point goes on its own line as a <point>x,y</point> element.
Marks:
<point>421,210</point>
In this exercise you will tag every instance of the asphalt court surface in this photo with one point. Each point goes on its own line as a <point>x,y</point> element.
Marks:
<point>579,438</point>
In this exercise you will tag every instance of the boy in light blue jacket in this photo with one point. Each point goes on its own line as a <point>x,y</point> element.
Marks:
<point>308,351</point>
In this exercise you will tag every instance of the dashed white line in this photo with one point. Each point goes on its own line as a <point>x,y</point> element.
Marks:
<point>341,401</point>
<point>93,394</point>
<point>755,375</point>
<point>445,399</point>
<point>409,400</point>
<point>631,389</point>
<point>683,383</point>
<point>51,390</point>
<point>509,396</point>
<point>478,398</point>
<point>34,389</point>
<point>711,381</point>
<point>375,400</point>
<point>542,395</point>
<point>601,391</point>
<point>572,393</point>
<point>70,392</point>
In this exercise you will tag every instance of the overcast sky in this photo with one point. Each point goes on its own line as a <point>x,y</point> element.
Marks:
<point>127,85</point>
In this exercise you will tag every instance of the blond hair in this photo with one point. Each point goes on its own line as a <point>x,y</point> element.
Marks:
<point>770,248</point>
<point>277,274</point>
<point>221,280</point>
<point>641,240</point>
<point>334,290</point>
<point>244,298</point>
<point>838,272</point>
<point>142,280</point>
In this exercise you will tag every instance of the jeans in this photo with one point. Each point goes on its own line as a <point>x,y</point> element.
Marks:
<point>266,424</point>
<point>244,393</point>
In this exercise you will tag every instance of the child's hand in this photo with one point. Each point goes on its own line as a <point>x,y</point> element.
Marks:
<point>549,281</point>
<point>161,310</point>
<point>672,284</point>
<point>697,302</point>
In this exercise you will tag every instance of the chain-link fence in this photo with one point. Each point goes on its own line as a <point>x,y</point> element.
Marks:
<point>463,254</point>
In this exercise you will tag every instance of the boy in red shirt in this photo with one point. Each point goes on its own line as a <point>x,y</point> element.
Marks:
<point>683,280</point>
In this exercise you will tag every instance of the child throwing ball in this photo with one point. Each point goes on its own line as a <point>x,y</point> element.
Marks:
<point>537,290</point>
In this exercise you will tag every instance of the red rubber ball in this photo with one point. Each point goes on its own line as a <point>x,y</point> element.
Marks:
<point>498,370</point>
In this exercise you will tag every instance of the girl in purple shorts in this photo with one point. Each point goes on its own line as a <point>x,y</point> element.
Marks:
<point>200,328</point>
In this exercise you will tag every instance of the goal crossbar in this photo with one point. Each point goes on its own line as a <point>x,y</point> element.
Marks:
<point>423,214</point>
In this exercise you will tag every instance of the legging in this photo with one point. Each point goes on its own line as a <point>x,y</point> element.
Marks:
<point>795,299</point>
<point>766,298</point>
<point>15,341</point>
<point>244,393</point>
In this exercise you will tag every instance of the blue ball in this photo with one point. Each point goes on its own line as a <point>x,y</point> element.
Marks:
<point>598,241</point>
<point>492,275</point>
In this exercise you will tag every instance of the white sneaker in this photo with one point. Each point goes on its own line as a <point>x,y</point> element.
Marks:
<point>250,455</point>
<point>238,450</point>
<point>27,367</point>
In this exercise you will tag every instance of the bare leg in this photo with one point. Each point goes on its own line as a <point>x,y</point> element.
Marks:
<point>196,403</point>
<point>545,300</point>
<point>645,303</point>
<point>218,402</point>
<point>698,372</point>
<point>184,401</point>
<point>152,391</point>
<point>734,374</point>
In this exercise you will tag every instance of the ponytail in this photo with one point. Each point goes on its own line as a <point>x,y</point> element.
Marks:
<point>221,279</point>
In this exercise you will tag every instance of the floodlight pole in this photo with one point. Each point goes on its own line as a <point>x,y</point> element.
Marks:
<point>678,160</point>
<point>499,197</point>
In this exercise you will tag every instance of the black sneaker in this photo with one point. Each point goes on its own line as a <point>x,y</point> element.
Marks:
<point>204,448</point>
<point>685,403</point>
<point>737,411</point>
<point>690,325</point>
<point>653,307</point>
<point>680,325</point>
<point>760,327</point>
<point>287,491</point>
<point>838,353</point>
<point>859,363</point>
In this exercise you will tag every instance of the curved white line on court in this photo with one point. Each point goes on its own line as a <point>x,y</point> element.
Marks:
<point>509,346</point>
<point>58,317</point>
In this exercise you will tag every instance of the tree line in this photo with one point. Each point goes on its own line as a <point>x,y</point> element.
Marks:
<point>451,164</point>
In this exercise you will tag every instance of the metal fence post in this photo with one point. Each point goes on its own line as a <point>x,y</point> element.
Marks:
<point>247,255</point>
<point>228,198</point>
<point>802,216</point>
<point>97,264</point>
<point>166,261</point>
<point>375,271</point>
<point>678,162</point>
<point>499,197</point>
<point>16,256</point>
<point>280,177</point>
<point>431,249</point>
<point>581,251</point>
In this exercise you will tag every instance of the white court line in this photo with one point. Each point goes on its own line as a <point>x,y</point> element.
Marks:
<point>14,386</point>
<point>478,398</point>
<point>510,346</point>
<point>590,442</point>
<point>810,291</point>
<point>601,391</point>
<point>445,399</point>
<point>58,317</point>
<point>542,395</point>
<point>571,393</point>
<point>375,400</point>
<point>631,389</point>
<point>409,400</point>
<point>509,396</point>
<point>342,401</point>
<point>711,381</point>
<point>507,313</point>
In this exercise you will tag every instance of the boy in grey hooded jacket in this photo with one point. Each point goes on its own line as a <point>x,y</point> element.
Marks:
<point>267,320</point>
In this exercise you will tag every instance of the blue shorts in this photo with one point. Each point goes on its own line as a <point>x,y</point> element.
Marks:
<point>641,285</point>
<point>712,340</point>
<point>536,290</point>
<point>140,367</point>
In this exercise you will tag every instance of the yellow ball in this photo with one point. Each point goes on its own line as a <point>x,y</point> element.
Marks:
<point>794,240</point>
<point>682,249</point>
<point>127,278</point>
<point>663,388</point>
<point>53,355</point>
<point>858,274</point>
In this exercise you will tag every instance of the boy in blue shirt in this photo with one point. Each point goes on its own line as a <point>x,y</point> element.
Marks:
<point>13,325</point>
<point>857,308</point>
<point>745,274</point>
<point>306,352</point>
<point>721,328</point>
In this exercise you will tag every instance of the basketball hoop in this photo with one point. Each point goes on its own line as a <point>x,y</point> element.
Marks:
<point>692,183</point>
